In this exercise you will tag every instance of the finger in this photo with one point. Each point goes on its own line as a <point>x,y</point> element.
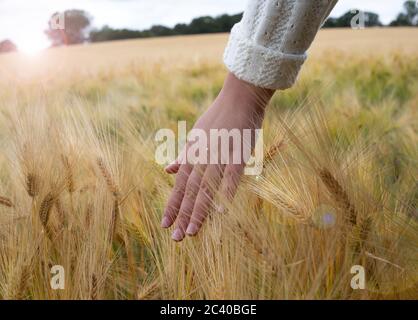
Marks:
<point>186,208</point>
<point>204,200</point>
<point>176,197</point>
<point>174,167</point>
<point>231,179</point>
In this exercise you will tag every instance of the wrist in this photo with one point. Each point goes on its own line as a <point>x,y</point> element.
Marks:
<point>246,94</point>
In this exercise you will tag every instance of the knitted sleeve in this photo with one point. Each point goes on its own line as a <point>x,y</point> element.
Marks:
<point>268,47</point>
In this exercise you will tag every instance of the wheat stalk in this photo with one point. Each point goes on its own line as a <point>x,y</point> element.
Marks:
<point>362,235</point>
<point>61,212</point>
<point>6,202</point>
<point>365,229</point>
<point>89,215</point>
<point>114,220</point>
<point>268,158</point>
<point>23,283</point>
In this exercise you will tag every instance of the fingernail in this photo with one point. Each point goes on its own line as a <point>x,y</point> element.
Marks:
<point>170,165</point>
<point>192,229</point>
<point>165,223</point>
<point>177,235</point>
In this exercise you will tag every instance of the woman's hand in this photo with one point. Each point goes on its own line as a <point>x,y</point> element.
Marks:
<point>238,106</point>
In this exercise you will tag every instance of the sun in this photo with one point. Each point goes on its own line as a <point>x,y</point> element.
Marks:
<point>32,44</point>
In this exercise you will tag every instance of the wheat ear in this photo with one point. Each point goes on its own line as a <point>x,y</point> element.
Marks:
<point>268,255</point>
<point>113,187</point>
<point>6,202</point>
<point>338,194</point>
<point>32,185</point>
<point>273,151</point>
<point>69,179</point>
<point>94,287</point>
<point>45,210</point>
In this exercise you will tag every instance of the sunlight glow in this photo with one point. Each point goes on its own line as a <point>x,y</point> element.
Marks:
<point>32,44</point>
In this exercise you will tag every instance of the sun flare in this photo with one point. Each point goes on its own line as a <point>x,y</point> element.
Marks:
<point>32,44</point>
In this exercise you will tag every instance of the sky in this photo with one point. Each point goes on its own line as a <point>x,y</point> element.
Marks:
<point>23,21</point>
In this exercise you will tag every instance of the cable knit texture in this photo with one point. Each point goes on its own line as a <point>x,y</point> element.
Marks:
<point>268,47</point>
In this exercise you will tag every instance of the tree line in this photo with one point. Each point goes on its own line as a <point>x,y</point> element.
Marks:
<point>201,25</point>
<point>224,23</point>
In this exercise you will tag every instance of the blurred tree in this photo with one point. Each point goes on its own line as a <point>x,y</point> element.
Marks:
<point>181,28</point>
<point>7,46</point>
<point>204,25</point>
<point>160,31</point>
<point>409,17</point>
<point>372,20</point>
<point>109,34</point>
<point>226,22</point>
<point>69,27</point>
<point>330,23</point>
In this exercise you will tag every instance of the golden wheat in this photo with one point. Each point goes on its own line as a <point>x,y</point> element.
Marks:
<point>69,174</point>
<point>44,212</point>
<point>32,185</point>
<point>94,287</point>
<point>323,203</point>
<point>113,188</point>
<point>339,194</point>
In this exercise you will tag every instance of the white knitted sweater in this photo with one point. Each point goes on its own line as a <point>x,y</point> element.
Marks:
<point>268,47</point>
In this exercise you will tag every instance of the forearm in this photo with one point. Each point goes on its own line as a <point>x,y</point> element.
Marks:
<point>268,47</point>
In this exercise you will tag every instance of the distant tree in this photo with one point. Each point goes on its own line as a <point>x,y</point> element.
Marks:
<point>181,28</point>
<point>331,23</point>
<point>71,29</point>
<point>160,31</point>
<point>204,25</point>
<point>109,34</point>
<point>371,19</point>
<point>409,16</point>
<point>226,22</point>
<point>7,46</point>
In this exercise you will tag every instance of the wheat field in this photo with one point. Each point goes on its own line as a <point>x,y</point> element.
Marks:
<point>79,186</point>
